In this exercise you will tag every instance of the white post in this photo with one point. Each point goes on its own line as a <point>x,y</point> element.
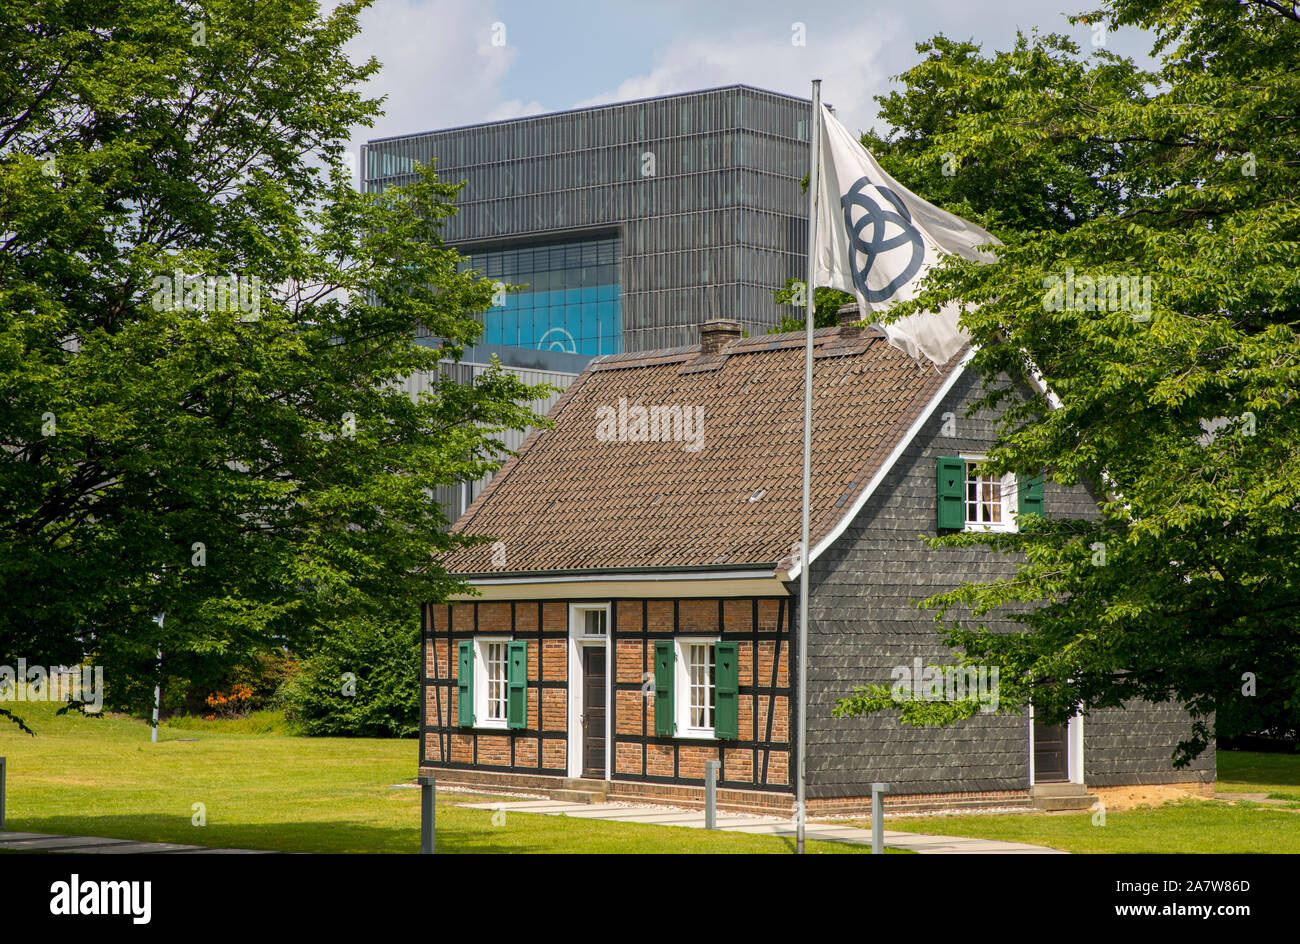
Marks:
<point>157,689</point>
<point>157,699</point>
<point>428,815</point>
<point>814,182</point>
<point>878,818</point>
<point>711,794</point>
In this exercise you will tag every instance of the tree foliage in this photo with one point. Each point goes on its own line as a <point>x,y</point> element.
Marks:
<point>826,306</point>
<point>253,474</point>
<point>1185,588</point>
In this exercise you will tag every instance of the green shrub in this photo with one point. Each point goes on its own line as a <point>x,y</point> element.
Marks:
<point>362,679</point>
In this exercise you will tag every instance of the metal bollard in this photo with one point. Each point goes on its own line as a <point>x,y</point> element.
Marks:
<point>2,792</point>
<point>878,818</point>
<point>427,795</point>
<point>711,794</point>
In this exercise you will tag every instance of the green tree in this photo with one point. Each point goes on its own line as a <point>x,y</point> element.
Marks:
<point>253,470</point>
<point>1185,588</point>
<point>362,680</point>
<point>826,306</point>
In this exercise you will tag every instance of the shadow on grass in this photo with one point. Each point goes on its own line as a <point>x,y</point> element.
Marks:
<point>315,837</point>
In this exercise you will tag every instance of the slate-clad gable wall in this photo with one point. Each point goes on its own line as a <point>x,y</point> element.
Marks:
<point>863,623</point>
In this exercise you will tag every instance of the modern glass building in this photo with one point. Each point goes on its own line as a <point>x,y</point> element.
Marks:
<point>625,225</point>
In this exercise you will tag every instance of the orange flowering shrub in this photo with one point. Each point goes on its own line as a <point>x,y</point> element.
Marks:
<point>234,705</point>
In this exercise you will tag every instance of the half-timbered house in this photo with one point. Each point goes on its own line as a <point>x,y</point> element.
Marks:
<point>635,610</point>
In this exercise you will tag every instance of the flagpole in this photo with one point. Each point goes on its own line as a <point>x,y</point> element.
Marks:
<point>814,182</point>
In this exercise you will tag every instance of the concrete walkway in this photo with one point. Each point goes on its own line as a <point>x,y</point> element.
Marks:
<point>765,826</point>
<point>46,842</point>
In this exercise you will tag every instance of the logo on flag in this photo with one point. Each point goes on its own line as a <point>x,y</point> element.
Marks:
<point>877,220</point>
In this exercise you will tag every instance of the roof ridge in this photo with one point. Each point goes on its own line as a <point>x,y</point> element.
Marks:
<point>757,343</point>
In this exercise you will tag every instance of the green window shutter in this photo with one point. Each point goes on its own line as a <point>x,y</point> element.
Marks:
<point>726,680</point>
<point>951,493</point>
<point>1029,495</point>
<point>665,664</point>
<point>517,684</point>
<point>465,682</point>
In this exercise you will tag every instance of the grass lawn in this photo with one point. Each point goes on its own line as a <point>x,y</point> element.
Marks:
<point>102,777</point>
<point>1181,826</point>
<point>1278,775</point>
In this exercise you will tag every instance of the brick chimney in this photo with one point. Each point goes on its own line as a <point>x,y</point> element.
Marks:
<point>717,333</point>
<point>849,321</point>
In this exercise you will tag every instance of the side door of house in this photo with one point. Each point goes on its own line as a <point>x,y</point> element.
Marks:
<point>1051,753</point>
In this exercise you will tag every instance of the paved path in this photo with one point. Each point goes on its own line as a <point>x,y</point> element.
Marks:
<point>47,842</point>
<point>765,826</point>
<point>1254,798</point>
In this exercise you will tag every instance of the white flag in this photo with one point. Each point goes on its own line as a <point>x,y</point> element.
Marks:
<point>876,239</point>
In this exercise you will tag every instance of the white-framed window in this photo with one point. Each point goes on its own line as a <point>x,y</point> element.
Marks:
<point>989,500</point>
<point>589,621</point>
<point>491,691</point>
<point>696,686</point>
<point>595,622</point>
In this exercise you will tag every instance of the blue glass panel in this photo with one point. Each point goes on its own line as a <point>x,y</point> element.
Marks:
<point>510,326</point>
<point>573,321</point>
<point>492,325</point>
<point>588,294</point>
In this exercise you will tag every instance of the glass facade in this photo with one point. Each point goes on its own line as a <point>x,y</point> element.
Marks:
<point>563,296</point>
<point>690,202</point>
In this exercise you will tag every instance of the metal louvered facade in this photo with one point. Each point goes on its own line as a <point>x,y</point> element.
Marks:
<point>689,207</point>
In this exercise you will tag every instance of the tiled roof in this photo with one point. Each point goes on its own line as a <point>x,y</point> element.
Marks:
<point>571,500</point>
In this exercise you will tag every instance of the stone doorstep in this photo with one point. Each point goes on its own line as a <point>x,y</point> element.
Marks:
<point>1058,789</point>
<point>581,790</point>
<point>1061,797</point>
<point>582,783</point>
<point>578,796</point>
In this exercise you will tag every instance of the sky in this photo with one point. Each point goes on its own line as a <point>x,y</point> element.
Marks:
<point>455,62</point>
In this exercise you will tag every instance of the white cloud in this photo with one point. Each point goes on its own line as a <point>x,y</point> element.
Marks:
<point>849,62</point>
<point>440,68</point>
